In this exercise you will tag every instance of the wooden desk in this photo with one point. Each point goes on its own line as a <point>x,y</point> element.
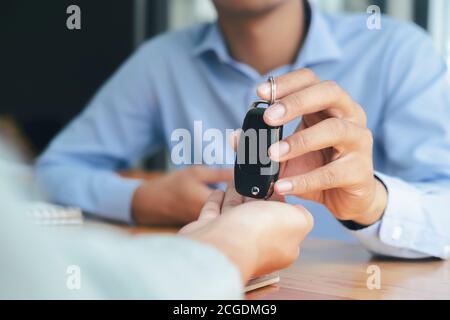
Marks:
<point>337,270</point>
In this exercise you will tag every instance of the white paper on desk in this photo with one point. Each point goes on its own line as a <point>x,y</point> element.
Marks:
<point>262,281</point>
<point>48,214</point>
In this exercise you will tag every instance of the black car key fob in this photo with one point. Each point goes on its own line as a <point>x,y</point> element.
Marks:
<point>254,173</point>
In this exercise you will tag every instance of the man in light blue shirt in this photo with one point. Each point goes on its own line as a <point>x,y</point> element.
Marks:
<point>370,149</point>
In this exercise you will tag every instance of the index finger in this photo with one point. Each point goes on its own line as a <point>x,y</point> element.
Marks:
<point>211,208</point>
<point>288,83</point>
<point>325,96</point>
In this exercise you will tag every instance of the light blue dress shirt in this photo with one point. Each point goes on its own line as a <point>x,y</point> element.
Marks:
<point>188,75</point>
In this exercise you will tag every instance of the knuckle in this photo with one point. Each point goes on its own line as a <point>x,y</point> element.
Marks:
<point>364,139</point>
<point>295,100</point>
<point>309,74</point>
<point>300,141</point>
<point>209,207</point>
<point>369,140</point>
<point>362,168</point>
<point>329,177</point>
<point>362,116</point>
<point>302,185</point>
<point>332,87</point>
<point>339,127</point>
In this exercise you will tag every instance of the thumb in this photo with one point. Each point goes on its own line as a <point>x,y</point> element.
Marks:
<point>211,208</point>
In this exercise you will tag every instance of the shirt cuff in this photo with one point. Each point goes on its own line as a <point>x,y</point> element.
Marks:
<point>116,197</point>
<point>403,231</point>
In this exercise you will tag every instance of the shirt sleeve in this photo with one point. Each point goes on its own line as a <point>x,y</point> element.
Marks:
<point>406,229</point>
<point>150,267</point>
<point>100,261</point>
<point>414,138</point>
<point>120,125</point>
<point>103,263</point>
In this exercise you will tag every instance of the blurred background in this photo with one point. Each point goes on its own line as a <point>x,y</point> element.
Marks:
<point>48,73</point>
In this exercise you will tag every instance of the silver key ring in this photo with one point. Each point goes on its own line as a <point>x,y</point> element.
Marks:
<point>273,87</point>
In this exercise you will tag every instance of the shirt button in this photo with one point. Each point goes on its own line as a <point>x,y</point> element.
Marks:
<point>397,233</point>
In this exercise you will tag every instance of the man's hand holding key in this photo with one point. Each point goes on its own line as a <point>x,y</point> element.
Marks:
<point>329,157</point>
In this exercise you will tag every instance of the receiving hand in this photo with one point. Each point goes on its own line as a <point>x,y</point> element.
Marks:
<point>259,237</point>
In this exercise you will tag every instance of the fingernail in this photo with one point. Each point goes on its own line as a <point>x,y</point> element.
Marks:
<point>279,149</point>
<point>275,112</point>
<point>284,186</point>
<point>264,89</point>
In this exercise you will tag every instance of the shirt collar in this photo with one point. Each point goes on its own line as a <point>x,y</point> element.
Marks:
<point>319,45</point>
<point>212,40</point>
